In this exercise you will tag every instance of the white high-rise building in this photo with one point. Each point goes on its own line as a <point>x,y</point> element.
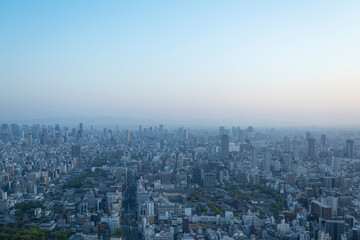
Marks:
<point>150,208</point>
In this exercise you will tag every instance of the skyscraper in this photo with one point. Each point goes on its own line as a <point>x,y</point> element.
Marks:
<point>76,151</point>
<point>57,138</point>
<point>29,139</point>
<point>287,161</point>
<point>81,130</point>
<point>287,144</point>
<point>254,158</point>
<point>323,140</point>
<point>180,161</point>
<point>295,148</point>
<point>335,229</point>
<point>15,130</point>
<point>336,163</point>
<point>4,128</point>
<point>267,161</point>
<point>225,146</point>
<point>350,148</point>
<point>311,147</point>
<point>196,175</point>
<point>221,130</point>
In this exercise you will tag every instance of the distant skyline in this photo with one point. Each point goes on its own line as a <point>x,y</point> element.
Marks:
<point>291,63</point>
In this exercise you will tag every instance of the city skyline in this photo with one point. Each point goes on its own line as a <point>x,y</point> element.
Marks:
<point>179,120</point>
<point>278,63</point>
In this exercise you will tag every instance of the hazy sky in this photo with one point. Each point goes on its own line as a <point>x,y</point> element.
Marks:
<point>294,62</point>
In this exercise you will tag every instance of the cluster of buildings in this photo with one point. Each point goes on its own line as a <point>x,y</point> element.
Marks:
<point>167,184</point>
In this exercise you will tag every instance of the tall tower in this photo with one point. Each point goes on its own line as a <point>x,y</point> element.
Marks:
<point>58,138</point>
<point>254,158</point>
<point>287,144</point>
<point>81,130</point>
<point>267,161</point>
<point>221,130</point>
<point>323,140</point>
<point>29,139</point>
<point>161,128</point>
<point>311,147</point>
<point>350,148</point>
<point>295,149</point>
<point>225,146</point>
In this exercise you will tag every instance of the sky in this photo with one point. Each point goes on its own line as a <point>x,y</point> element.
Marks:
<point>267,62</point>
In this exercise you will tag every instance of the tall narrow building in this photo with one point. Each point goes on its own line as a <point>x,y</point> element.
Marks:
<point>254,158</point>
<point>81,130</point>
<point>323,140</point>
<point>267,161</point>
<point>350,148</point>
<point>225,146</point>
<point>29,139</point>
<point>311,148</point>
<point>221,130</point>
<point>286,146</point>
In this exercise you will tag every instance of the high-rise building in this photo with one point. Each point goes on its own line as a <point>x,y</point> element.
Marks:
<point>295,148</point>
<point>166,178</point>
<point>287,161</point>
<point>57,138</point>
<point>209,180</point>
<point>180,161</point>
<point>196,175</point>
<point>225,141</point>
<point>323,140</point>
<point>36,131</point>
<point>233,132</point>
<point>150,208</point>
<point>320,210</point>
<point>287,144</point>
<point>127,136</point>
<point>76,151</point>
<point>43,139</point>
<point>15,130</point>
<point>81,130</point>
<point>267,161</point>
<point>336,164</point>
<point>350,148</point>
<point>4,128</point>
<point>254,158</point>
<point>66,136</point>
<point>311,148</point>
<point>332,202</point>
<point>29,139</point>
<point>221,130</point>
<point>335,229</point>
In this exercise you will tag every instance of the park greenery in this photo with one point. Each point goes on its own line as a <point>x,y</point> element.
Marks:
<point>22,232</point>
<point>201,209</point>
<point>80,181</point>
<point>257,191</point>
<point>214,207</point>
<point>26,209</point>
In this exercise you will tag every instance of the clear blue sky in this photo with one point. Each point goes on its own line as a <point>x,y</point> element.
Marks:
<point>294,62</point>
